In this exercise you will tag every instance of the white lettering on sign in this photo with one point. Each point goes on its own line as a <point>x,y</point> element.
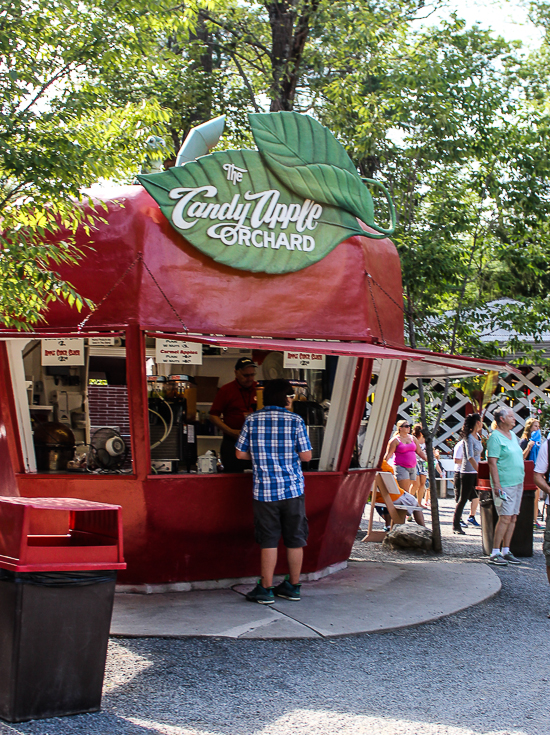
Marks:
<point>62,352</point>
<point>234,173</point>
<point>175,352</point>
<point>264,211</point>
<point>304,360</point>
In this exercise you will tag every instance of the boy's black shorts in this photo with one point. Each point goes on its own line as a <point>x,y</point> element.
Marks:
<point>286,518</point>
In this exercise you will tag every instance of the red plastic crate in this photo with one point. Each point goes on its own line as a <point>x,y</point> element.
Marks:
<point>59,534</point>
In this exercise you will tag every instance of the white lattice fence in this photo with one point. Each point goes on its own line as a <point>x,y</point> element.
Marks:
<point>532,384</point>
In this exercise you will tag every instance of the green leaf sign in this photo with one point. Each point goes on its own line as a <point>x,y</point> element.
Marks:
<point>309,159</point>
<point>275,210</point>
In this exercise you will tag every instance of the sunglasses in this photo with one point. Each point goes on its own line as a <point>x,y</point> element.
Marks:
<point>405,426</point>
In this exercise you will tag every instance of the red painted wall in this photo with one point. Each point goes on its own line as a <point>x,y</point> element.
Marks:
<point>189,528</point>
<point>329,299</point>
<point>185,528</point>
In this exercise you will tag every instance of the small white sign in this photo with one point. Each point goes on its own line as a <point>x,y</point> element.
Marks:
<point>62,352</point>
<point>304,360</point>
<point>179,353</point>
<point>101,341</point>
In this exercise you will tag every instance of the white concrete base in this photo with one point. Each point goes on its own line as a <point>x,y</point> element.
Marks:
<point>218,584</point>
<point>366,597</point>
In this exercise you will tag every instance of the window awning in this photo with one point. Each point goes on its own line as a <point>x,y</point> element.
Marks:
<point>4,335</point>
<point>421,363</point>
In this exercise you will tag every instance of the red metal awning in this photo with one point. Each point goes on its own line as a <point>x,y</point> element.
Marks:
<point>58,335</point>
<point>323,347</point>
<point>422,363</point>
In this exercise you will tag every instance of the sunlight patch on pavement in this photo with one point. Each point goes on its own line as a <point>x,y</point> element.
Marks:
<point>167,729</point>
<point>122,666</point>
<point>312,722</point>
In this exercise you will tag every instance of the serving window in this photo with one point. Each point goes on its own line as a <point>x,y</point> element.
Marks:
<point>71,398</point>
<point>369,447</point>
<point>182,437</point>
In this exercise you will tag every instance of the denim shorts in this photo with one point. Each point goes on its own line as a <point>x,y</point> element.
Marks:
<point>405,473</point>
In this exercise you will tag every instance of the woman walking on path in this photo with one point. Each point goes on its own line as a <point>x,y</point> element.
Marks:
<point>471,454</point>
<point>406,448</point>
<point>531,440</point>
<point>419,487</point>
<point>505,459</point>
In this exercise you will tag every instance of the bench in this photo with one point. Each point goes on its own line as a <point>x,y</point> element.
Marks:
<point>386,485</point>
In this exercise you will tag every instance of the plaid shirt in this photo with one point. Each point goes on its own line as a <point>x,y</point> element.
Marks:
<point>274,436</point>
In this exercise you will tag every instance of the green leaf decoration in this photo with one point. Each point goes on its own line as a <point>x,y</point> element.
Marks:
<point>243,216</point>
<point>309,160</point>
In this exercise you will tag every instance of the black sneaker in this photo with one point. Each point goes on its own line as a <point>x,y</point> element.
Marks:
<point>459,531</point>
<point>287,590</point>
<point>261,595</point>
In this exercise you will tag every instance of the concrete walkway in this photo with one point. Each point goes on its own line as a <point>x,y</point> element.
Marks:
<point>366,597</point>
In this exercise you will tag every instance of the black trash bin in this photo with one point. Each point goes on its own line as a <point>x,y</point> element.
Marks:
<point>56,603</point>
<point>522,539</point>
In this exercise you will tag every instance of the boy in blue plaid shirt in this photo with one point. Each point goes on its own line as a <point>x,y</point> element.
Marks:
<point>276,441</point>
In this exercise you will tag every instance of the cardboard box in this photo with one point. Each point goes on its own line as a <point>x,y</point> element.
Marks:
<point>207,387</point>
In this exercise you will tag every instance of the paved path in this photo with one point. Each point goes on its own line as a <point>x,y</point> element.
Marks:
<point>366,597</point>
<point>482,671</point>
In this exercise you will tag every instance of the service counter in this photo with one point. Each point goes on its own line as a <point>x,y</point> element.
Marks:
<point>181,528</point>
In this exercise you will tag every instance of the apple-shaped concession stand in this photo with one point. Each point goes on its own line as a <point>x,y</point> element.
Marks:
<point>257,254</point>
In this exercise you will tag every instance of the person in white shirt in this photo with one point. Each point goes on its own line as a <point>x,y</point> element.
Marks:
<point>458,455</point>
<point>541,481</point>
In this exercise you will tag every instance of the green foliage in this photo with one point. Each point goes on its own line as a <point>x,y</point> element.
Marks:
<point>542,413</point>
<point>57,136</point>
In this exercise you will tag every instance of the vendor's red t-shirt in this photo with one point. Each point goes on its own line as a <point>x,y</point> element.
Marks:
<point>235,403</point>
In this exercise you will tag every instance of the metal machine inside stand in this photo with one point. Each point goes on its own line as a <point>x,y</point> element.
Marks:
<point>172,426</point>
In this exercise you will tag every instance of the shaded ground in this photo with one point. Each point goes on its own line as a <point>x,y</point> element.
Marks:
<point>484,670</point>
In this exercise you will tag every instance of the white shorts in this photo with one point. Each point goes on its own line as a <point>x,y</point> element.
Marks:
<point>408,500</point>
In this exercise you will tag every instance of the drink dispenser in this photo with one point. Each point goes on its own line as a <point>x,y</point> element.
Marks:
<point>156,385</point>
<point>183,387</point>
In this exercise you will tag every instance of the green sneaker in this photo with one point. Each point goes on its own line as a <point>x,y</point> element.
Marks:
<point>287,590</point>
<point>261,595</point>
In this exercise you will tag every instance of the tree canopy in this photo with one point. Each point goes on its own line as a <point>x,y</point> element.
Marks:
<point>453,119</point>
<point>58,134</point>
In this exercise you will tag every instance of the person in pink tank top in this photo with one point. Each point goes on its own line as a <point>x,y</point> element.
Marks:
<point>406,448</point>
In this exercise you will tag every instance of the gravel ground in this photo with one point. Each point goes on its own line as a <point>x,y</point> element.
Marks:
<point>482,671</point>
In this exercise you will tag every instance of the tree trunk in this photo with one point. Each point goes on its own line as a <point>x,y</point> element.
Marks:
<point>290,22</point>
<point>203,63</point>
<point>434,500</point>
<point>428,436</point>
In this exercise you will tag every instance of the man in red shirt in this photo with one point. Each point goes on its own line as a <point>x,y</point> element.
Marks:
<point>235,401</point>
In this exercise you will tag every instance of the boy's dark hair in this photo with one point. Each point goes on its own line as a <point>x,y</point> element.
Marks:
<point>276,392</point>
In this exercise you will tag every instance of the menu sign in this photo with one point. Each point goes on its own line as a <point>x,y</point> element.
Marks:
<point>62,352</point>
<point>275,210</point>
<point>304,360</point>
<point>101,341</point>
<point>175,352</point>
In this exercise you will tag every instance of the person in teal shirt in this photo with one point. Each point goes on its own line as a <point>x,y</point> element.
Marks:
<point>505,459</point>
